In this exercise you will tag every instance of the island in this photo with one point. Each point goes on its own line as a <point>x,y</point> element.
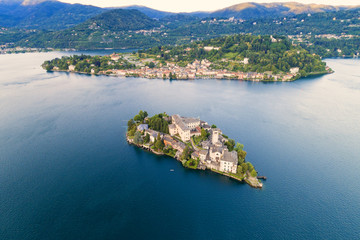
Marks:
<point>242,57</point>
<point>194,143</point>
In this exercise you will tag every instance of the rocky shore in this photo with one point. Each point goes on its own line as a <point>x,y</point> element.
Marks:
<point>251,181</point>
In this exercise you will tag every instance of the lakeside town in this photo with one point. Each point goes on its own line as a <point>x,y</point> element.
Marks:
<point>154,67</point>
<point>194,143</point>
<point>240,57</point>
<point>195,70</point>
<point>10,48</point>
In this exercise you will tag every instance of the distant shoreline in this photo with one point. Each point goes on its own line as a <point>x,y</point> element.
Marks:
<point>198,78</point>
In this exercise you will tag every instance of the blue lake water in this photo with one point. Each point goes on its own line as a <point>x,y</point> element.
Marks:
<point>66,171</point>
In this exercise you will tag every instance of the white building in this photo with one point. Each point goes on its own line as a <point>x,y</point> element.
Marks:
<point>229,161</point>
<point>153,134</point>
<point>183,126</point>
<point>72,68</point>
<point>294,70</point>
<point>215,132</point>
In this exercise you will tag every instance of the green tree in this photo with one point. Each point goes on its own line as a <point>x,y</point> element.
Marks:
<point>213,126</point>
<point>242,154</point>
<point>159,144</point>
<point>137,138</point>
<point>151,65</point>
<point>186,153</point>
<point>230,144</point>
<point>253,173</point>
<point>132,131</point>
<point>49,67</point>
<point>250,166</point>
<point>141,116</point>
<point>239,169</point>
<point>204,134</point>
<point>244,167</point>
<point>147,138</point>
<point>239,147</point>
<point>157,123</point>
<point>130,124</point>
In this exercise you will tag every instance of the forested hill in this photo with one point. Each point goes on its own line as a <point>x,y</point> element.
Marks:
<point>247,57</point>
<point>252,10</point>
<point>132,29</point>
<point>49,15</point>
<point>111,29</point>
<point>263,53</point>
<point>118,20</point>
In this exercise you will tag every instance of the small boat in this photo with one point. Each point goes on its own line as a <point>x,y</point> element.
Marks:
<point>171,170</point>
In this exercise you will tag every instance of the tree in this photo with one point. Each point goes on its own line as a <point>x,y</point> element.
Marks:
<point>239,147</point>
<point>213,126</point>
<point>244,167</point>
<point>157,123</point>
<point>151,65</point>
<point>159,144</point>
<point>141,116</point>
<point>130,124</point>
<point>147,138</point>
<point>132,131</point>
<point>239,169</point>
<point>186,153</point>
<point>49,67</point>
<point>242,154</point>
<point>230,144</point>
<point>137,138</point>
<point>250,166</point>
<point>204,134</point>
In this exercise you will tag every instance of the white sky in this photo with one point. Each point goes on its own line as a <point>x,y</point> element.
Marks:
<point>195,5</point>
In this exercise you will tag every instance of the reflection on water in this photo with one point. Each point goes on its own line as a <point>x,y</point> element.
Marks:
<point>66,171</point>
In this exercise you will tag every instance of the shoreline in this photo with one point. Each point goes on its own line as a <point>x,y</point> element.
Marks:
<point>12,51</point>
<point>249,180</point>
<point>314,74</point>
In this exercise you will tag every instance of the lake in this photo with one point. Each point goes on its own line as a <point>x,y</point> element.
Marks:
<point>67,172</point>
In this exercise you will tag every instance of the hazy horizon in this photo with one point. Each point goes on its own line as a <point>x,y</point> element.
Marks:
<point>191,6</point>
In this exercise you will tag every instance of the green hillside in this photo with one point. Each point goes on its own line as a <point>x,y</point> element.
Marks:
<point>252,10</point>
<point>118,20</point>
<point>273,57</point>
<point>49,15</point>
<point>112,29</point>
<point>264,53</point>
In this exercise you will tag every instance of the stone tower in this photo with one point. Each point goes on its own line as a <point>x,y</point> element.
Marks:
<point>215,135</point>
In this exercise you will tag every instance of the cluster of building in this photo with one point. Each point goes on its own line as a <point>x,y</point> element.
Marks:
<point>185,127</point>
<point>8,48</point>
<point>213,152</point>
<point>198,70</point>
<point>334,36</point>
<point>231,20</point>
<point>147,32</point>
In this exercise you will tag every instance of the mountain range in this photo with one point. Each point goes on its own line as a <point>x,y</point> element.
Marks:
<point>55,15</point>
<point>261,10</point>
<point>52,15</point>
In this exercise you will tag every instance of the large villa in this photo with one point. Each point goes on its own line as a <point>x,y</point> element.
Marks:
<point>213,152</point>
